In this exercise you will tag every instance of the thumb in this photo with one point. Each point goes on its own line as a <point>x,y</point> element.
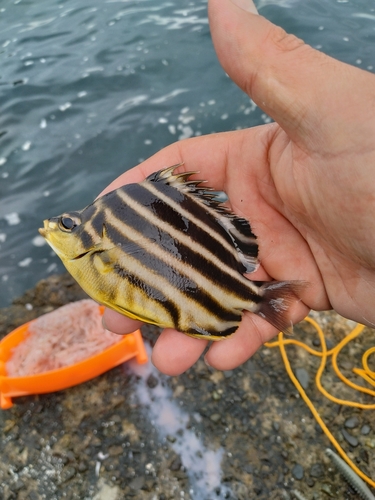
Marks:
<point>302,89</point>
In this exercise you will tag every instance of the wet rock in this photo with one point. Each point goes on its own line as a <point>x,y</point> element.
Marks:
<point>67,474</point>
<point>216,395</point>
<point>8,425</point>
<point>176,464</point>
<point>152,381</point>
<point>370,443</point>
<point>351,423</point>
<point>328,490</point>
<point>365,429</point>
<point>363,455</point>
<point>317,470</point>
<point>18,485</point>
<point>82,466</point>
<point>215,417</point>
<point>115,451</point>
<point>281,388</point>
<point>352,440</point>
<point>297,472</point>
<point>137,483</point>
<point>303,377</point>
<point>310,482</point>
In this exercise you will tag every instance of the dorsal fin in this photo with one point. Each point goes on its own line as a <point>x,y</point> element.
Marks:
<point>238,228</point>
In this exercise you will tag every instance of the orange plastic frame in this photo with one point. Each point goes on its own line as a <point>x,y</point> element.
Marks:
<point>129,346</point>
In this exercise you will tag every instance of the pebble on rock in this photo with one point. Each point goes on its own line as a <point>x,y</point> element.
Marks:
<point>352,440</point>
<point>351,422</point>
<point>303,377</point>
<point>317,470</point>
<point>365,430</point>
<point>297,472</point>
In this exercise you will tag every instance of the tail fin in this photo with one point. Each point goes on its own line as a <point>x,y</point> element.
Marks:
<point>278,296</point>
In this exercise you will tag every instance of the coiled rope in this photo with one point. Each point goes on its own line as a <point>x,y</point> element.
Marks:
<point>365,372</point>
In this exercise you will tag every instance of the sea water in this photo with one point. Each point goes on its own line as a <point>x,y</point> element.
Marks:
<point>89,89</point>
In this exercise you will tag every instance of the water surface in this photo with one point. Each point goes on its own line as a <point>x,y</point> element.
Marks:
<point>88,91</point>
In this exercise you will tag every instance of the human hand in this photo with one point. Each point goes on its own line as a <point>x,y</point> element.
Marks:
<point>306,182</point>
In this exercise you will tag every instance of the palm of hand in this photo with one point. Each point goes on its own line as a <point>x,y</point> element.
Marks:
<point>241,163</point>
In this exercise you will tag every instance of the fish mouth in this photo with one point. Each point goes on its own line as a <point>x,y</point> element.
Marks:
<point>43,231</point>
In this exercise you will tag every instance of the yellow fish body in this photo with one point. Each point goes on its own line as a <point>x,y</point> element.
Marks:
<point>165,251</point>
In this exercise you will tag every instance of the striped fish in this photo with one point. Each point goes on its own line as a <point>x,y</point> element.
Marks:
<point>166,252</point>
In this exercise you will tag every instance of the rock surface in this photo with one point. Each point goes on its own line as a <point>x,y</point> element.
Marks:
<point>108,440</point>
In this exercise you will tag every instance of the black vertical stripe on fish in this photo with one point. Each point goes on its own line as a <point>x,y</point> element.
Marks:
<point>151,291</point>
<point>93,218</point>
<point>87,238</point>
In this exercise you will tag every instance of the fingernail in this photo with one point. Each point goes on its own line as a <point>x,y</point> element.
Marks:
<point>247,5</point>
<point>103,324</point>
<point>207,363</point>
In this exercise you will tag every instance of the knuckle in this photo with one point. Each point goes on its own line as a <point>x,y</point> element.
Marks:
<point>283,41</point>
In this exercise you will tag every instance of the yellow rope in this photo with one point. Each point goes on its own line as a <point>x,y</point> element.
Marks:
<point>365,373</point>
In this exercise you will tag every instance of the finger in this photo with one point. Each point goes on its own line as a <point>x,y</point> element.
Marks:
<point>118,323</point>
<point>206,154</point>
<point>175,352</point>
<point>288,79</point>
<point>252,333</point>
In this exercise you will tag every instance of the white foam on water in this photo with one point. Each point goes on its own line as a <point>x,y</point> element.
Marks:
<point>174,22</point>
<point>25,262</point>
<point>280,3</point>
<point>65,106</point>
<point>167,97</point>
<point>186,119</point>
<point>364,15</point>
<point>38,241</point>
<point>51,267</point>
<point>12,218</point>
<point>187,132</point>
<point>32,25</point>
<point>202,465</point>
<point>131,102</point>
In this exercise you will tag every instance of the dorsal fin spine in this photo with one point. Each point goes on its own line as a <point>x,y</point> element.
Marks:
<point>243,241</point>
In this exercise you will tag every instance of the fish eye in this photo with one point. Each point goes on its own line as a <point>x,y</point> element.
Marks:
<point>67,223</point>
